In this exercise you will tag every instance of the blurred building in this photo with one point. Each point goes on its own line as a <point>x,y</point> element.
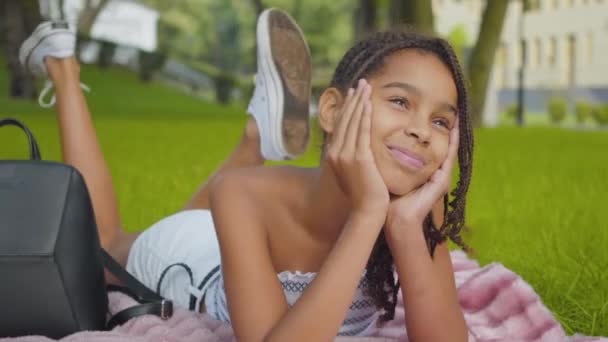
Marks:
<point>566,43</point>
<point>126,23</point>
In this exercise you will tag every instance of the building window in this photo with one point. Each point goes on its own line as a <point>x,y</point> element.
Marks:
<point>589,47</point>
<point>531,53</point>
<point>538,48</point>
<point>570,59</point>
<point>552,56</point>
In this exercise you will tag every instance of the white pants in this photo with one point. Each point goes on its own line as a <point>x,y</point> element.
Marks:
<point>187,238</point>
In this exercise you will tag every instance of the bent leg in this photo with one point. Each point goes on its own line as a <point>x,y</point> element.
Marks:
<point>246,154</point>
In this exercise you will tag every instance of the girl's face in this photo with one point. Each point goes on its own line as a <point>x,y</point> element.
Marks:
<point>414,103</point>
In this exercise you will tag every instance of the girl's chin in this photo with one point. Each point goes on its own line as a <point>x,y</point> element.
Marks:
<point>399,183</point>
<point>399,191</point>
<point>401,188</point>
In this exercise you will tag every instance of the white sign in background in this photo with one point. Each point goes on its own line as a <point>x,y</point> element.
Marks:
<point>122,22</point>
<point>127,23</point>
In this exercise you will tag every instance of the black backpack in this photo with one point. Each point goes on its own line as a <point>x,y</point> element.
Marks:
<point>51,262</point>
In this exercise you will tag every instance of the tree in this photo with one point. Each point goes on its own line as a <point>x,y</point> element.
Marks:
<point>365,19</point>
<point>89,14</point>
<point>226,50</point>
<point>482,56</point>
<point>20,17</point>
<point>415,13</point>
<point>259,7</point>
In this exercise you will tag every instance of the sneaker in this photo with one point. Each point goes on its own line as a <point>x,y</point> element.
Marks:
<point>280,101</point>
<point>49,39</point>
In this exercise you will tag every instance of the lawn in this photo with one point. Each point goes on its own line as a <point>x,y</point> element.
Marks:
<point>537,202</point>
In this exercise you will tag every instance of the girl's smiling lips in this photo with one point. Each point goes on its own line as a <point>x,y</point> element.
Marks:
<point>407,157</point>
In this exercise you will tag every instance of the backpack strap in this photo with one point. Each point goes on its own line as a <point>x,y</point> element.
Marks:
<point>34,151</point>
<point>153,303</point>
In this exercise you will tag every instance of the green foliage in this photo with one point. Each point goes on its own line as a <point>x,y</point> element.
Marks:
<point>600,114</point>
<point>583,111</point>
<point>557,107</point>
<point>219,36</point>
<point>222,33</point>
<point>459,40</point>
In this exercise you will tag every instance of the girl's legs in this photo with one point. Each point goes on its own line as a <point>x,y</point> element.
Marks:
<point>277,129</point>
<point>247,153</point>
<point>79,145</point>
<point>81,149</point>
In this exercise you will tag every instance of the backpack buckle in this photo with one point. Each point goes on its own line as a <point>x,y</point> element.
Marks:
<point>166,309</point>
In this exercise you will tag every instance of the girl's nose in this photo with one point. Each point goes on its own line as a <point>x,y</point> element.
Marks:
<point>419,129</point>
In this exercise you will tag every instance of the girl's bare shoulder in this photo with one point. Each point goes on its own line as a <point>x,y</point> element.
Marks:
<point>267,185</point>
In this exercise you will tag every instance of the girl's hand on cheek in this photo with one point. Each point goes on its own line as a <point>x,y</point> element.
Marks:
<point>350,157</point>
<point>411,209</point>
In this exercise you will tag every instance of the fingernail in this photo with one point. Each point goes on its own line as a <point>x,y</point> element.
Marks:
<point>350,91</point>
<point>360,84</point>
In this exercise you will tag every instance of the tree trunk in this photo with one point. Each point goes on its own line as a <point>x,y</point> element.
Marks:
<point>106,54</point>
<point>149,63</point>
<point>88,15</point>
<point>417,14</point>
<point>259,7</point>
<point>482,56</point>
<point>20,18</point>
<point>365,19</point>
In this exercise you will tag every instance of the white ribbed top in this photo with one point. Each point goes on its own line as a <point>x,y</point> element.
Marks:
<point>361,316</point>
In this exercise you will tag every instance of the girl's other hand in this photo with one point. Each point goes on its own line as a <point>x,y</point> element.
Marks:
<point>411,209</point>
<point>349,154</point>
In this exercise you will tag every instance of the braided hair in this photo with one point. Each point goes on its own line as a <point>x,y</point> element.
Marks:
<point>364,60</point>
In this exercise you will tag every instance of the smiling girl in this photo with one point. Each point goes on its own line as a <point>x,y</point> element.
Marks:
<point>393,117</point>
<point>304,254</point>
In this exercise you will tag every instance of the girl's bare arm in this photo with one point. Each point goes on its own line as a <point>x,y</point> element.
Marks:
<point>428,287</point>
<point>256,302</point>
<point>257,305</point>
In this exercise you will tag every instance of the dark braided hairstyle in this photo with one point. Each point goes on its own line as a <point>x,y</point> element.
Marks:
<point>364,60</point>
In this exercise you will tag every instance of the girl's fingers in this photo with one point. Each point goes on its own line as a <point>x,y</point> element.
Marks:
<point>345,116</point>
<point>444,174</point>
<point>364,134</point>
<point>452,148</point>
<point>352,132</point>
<point>342,120</point>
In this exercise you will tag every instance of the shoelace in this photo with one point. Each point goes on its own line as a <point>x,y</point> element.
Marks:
<point>48,85</point>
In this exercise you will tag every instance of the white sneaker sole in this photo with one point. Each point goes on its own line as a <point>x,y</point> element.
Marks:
<point>288,88</point>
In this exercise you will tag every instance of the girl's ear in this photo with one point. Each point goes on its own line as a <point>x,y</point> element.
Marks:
<point>330,103</point>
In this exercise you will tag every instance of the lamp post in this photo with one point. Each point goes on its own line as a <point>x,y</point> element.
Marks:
<point>522,68</point>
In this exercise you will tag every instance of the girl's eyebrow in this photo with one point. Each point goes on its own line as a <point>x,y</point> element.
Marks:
<point>405,86</point>
<point>412,89</point>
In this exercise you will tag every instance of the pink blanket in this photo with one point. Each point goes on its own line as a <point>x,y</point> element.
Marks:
<point>498,306</point>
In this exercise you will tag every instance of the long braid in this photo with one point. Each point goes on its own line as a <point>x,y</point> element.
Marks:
<point>362,61</point>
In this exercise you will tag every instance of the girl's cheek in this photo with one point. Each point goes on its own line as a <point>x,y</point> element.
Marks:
<point>443,148</point>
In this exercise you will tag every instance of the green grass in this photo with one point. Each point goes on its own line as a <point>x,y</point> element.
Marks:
<point>537,202</point>
<point>542,119</point>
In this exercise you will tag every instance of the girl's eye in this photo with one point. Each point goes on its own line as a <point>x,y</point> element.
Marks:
<point>401,102</point>
<point>442,123</point>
